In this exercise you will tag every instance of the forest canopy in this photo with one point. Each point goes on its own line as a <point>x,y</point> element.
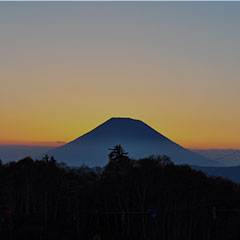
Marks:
<point>149,198</point>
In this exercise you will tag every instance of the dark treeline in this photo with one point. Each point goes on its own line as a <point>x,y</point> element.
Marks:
<point>146,199</point>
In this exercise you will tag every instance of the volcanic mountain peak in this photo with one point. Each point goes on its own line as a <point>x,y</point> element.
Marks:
<point>136,137</point>
<point>122,129</point>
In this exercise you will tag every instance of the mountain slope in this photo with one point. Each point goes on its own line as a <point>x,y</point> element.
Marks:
<point>136,137</point>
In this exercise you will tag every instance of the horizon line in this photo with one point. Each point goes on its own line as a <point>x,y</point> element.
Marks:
<point>60,143</point>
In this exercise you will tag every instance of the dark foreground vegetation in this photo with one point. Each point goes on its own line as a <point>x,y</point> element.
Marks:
<point>146,199</point>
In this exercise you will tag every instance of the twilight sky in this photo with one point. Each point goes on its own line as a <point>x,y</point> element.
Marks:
<point>66,67</point>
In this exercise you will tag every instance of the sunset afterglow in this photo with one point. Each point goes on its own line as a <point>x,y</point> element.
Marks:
<point>65,68</point>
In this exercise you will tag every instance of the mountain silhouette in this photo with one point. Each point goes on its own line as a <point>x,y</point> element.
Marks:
<point>136,137</point>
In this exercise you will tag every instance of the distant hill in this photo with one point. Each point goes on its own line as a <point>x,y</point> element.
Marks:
<point>228,157</point>
<point>232,173</point>
<point>136,137</point>
<point>16,152</point>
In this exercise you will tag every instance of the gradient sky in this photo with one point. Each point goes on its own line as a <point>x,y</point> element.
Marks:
<point>66,67</point>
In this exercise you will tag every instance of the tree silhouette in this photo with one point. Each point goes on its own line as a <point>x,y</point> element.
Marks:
<point>117,153</point>
<point>150,198</point>
<point>119,162</point>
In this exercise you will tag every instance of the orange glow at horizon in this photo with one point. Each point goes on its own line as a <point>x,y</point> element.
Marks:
<point>175,66</point>
<point>32,143</point>
<point>198,143</point>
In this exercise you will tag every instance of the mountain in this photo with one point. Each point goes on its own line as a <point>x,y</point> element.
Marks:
<point>135,136</point>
